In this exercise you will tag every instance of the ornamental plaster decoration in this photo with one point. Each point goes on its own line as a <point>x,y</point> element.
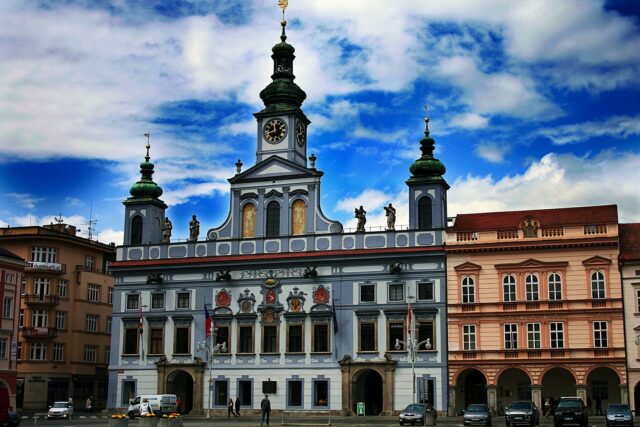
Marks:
<point>310,272</point>
<point>223,301</point>
<point>530,227</point>
<point>246,302</point>
<point>223,275</point>
<point>295,300</point>
<point>155,278</point>
<point>320,297</point>
<point>271,288</point>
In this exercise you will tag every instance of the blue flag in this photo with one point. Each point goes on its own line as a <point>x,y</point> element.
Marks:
<point>335,319</point>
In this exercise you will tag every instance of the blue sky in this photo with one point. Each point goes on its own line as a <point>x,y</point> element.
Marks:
<point>532,104</point>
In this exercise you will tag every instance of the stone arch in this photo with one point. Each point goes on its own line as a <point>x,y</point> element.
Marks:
<point>367,387</point>
<point>563,383</point>
<point>471,387</point>
<point>195,371</point>
<point>352,373</point>
<point>594,367</point>
<point>603,385</point>
<point>457,374</point>
<point>180,382</point>
<point>514,385</point>
<point>547,369</point>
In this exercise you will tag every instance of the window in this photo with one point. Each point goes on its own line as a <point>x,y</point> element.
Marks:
<point>320,338</point>
<point>157,300</point>
<point>40,318</point>
<point>396,292</point>
<point>90,352</point>
<point>62,288</point>
<point>156,341</point>
<point>11,278</point>
<point>107,354</point>
<point>531,287</point>
<point>509,288</point>
<point>425,291</point>
<point>555,287</point>
<point>183,300</point>
<point>91,323</point>
<point>42,254</point>
<point>533,335</point>
<point>425,330</point>
<point>182,340</point>
<point>368,293</point>
<point>38,351</point>
<point>637,300</point>
<point>93,293</point>
<point>61,320</point>
<point>58,352</point>
<point>3,348</point>
<point>110,296</point>
<point>128,391</point>
<point>597,285</point>
<point>109,325</point>
<point>468,337</point>
<point>136,230</point>
<point>221,391</point>
<point>245,388</point>
<point>245,339</point>
<point>556,330</point>
<point>396,332</point>
<point>368,336</point>
<point>222,337</point>
<point>7,308</point>
<point>600,339</point>
<point>90,262</point>
<point>130,340</point>
<point>133,302</point>
<point>295,339</point>
<point>510,336</point>
<point>41,286</point>
<point>269,339</point>
<point>321,393</point>
<point>21,318</point>
<point>248,222</point>
<point>468,290</point>
<point>273,219</point>
<point>600,388</point>
<point>425,216</point>
<point>294,393</point>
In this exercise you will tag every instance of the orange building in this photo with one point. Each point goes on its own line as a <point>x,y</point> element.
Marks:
<point>65,314</point>
<point>535,307</point>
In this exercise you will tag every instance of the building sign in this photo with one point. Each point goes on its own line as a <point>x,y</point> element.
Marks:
<point>45,266</point>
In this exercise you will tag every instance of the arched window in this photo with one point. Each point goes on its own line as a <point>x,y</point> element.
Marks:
<point>555,287</point>
<point>136,230</point>
<point>531,284</point>
<point>597,285</point>
<point>425,216</point>
<point>298,213</point>
<point>509,288</point>
<point>468,290</point>
<point>273,219</point>
<point>249,220</point>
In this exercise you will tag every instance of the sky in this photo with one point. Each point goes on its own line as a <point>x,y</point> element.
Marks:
<point>532,104</point>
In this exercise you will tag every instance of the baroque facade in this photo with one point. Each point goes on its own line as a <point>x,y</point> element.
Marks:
<point>311,314</point>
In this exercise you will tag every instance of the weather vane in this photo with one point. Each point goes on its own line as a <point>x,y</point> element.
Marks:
<point>148,135</point>
<point>283,5</point>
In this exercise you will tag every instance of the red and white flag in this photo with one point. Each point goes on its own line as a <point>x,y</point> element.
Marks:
<point>409,319</point>
<point>207,322</point>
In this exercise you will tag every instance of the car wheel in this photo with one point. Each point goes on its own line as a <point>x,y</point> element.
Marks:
<point>132,415</point>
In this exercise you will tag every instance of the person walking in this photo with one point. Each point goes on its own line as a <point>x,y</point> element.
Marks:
<point>230,408</point>
<point>89,404</point>
<point>237,406</point>
<point>598,405</point>
<point>265,407</point>
<point>179,405</point>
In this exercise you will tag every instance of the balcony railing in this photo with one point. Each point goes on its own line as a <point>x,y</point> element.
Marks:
<point>42,300</point>
<point>39,332</point>
<point>48,267</point>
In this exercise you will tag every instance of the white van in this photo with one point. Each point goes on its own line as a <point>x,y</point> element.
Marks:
<point>158,403</point>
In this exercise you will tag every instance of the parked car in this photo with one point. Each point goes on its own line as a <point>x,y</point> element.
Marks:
<point>570,410</point>
<point>60,410</point>
<point>619,414</point>
<point>415,413</point>
<point>522,412</point>
<point>477,413</point>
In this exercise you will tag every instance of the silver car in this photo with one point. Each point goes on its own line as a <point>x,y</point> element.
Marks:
<point>60,410</point>
<point>619,414</point>
<point>477,413</point>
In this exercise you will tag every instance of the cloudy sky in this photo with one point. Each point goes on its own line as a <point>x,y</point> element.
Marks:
<point>533,104</point>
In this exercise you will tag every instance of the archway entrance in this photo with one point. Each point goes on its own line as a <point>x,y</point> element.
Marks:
<point>471,387</point>
<point>180,383</point>
<point>513,384</point>
<point>558,382</point>
<point>368,389</point>
<point>604,385</point>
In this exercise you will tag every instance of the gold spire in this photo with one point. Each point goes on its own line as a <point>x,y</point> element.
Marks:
<point>283,5</point>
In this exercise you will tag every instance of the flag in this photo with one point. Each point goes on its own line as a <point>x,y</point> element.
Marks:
<point>140,322</point>
<point>334,318</point>
<point>207,322</point>
<point>409,320</point>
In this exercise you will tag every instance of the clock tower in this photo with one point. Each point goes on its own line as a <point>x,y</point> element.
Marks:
<point>282,126</point>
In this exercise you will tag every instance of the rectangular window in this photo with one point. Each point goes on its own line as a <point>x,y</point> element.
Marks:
<point>128,391</point>
<point>133,302</point>
<point>90,262</point>
<point>10,278</point>
<point>157,300</point>
<point>110,296</point>
<point>295,339</point>
<point>221,338</point>
<point>600,389</point>
<point>468,337</point>
<point>269,339</point>
<point>21,318</point>
<point>245,392</point>
<point>93,293</point>
<point>425,333</point>
<point>42,254</point>
<point>182,340</point>
<point>510,336</point>
<point>637,300</point>
<point>58,352</point>
<point>90,352</point>
<point>3,348</point>
<point>107,354</point>
<point>130,341</point>
<point>40,318</point>
<point>368,293</point>
<point>509,288</point>
<point>38,351</point>
<point>468,290</point>
<point>368,336</point>
<point>600,336</point>
<point>91,323</point>
<point>321,393</point>
<point>183,300</point>
<point>41,286</point>
<point>533,335</point>
<point>7,308</point>
<point>396,292</point>
<point>425,291</point>
<point>156,341</point>
<point>62,288</point>
<point>109,324</point>
<point>61,320</point>
<point>320,338</point>
<point>245,339</point>
<point>556,330</point>
<point>396,334</point>
<point>221,392</point>
<point>294,394</point>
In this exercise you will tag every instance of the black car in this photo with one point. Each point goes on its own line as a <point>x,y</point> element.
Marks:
<point>415,414</point>
<point>570,410</point>
<point>619,414</point>
<point>522,412</point>
<point>477,413</point>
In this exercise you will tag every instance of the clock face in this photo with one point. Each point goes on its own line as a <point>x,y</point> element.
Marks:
<point>301,133</point>
<point>275,130</point>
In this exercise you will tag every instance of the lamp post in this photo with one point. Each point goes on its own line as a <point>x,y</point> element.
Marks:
<point>210,351</point>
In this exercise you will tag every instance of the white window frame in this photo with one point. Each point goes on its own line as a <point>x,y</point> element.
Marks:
<point>178,306</point>
<point>155,294</point>
<point>63,286</point>
<point>90,262</point>
<point>534,336</point>
<point>600,334</point>
<point>394,285</point>
<point>38,351</point>
<point>468,286</point>
<point>7,308</point>
<point>40,318</point>
<point>44,254</point>
<point>532,287</point>
<point>510,336</point>
<point>598,288</point>
<point>637,300</point>
<point>58,352</point>
<point>41,286</point>
<point>469,342</point>
<point>91,323</point>
<point>362,285</point>
<point>554,286</point>
<point>509,288</point>
<point>131,298</point>
<point>556,335</point>
<point>61,320</point>
<point>90,353</point>
<point>110,293</point>
<point>93,292</point>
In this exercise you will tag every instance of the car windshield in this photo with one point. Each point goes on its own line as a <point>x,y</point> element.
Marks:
<point>477,408</point>
<point>520,405</point>
<point>60,405</point>
<point>416,407</point>
<point>570,403</point>
<point>618,409</point>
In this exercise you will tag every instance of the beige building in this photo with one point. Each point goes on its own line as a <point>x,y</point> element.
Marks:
<point>630,268</point>
<point>535,307</point>
<point>64,320</point>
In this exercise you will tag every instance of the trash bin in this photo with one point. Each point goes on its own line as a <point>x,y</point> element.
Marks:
<point>360,409</point>
<point>429,419</point>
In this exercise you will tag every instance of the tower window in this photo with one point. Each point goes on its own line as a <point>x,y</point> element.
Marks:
<point>136,230</point>
<point>273,219</point>
<point>425,215</point>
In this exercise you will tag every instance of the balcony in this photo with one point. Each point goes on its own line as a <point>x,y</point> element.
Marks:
<point>39,332</point>
<point>46,267</point>
<point>41,300</point>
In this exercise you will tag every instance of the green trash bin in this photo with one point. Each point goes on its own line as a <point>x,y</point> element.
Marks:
<point>360,409</point>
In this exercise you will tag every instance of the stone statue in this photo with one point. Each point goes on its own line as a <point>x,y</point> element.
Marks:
<point>390,211</point>
<point>194,229</point>
<point>361,214</point>
<point>166,230</point>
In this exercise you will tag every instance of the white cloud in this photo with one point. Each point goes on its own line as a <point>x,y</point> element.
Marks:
<point>492,152</point>
<point>247,127</point>
<point>25,200</point>
<point>109,235</point>
<point>395,136</point>
<point>617,127</point>
<point>469,121</point>
<point>73,202</point>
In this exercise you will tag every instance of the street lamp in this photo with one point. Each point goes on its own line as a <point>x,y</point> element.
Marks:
<point>413,346</point>
<point>210,351</point>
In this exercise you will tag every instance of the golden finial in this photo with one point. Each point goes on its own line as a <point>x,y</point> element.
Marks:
<point>283,5</point>
<point>148,135</point>
<point>426,113</point>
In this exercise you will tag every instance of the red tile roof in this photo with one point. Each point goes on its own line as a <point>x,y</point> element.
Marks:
<point>591,215</point>
<point>630,241</point>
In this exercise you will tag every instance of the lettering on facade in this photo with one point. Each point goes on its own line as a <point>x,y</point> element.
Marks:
<point>280,272</point>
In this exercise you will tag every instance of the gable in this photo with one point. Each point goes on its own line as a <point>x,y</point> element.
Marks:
<point>596,261</point>
<point>274,168</point>
<point>531,263</point>
<point>467,266</point>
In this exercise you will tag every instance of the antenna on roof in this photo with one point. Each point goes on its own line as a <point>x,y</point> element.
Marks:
<point>92,222</point>
<point>58,219</point>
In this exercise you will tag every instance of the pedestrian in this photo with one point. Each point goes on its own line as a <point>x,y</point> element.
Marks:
<point>588,405</point>
<point>552,403</point>
<point>230,408</point>
<point>145,407</point>
<point>237,406</point>
<point>547,407</point>
<point>89,404</point>
<point>265,407</point>
<point>598,405</point>
<point>70,404</point>
<point>179,405</point>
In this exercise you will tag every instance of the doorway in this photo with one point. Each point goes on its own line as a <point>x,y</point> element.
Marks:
<point>368,389</point>
<point>180,383</point>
